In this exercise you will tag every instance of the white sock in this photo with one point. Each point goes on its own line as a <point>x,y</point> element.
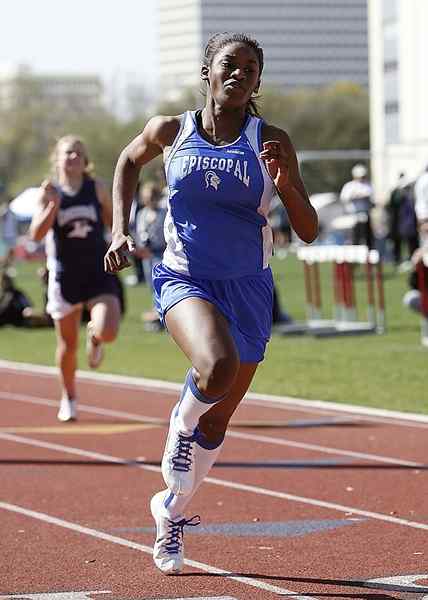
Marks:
<point>193,404</point>
<point>205,457</point>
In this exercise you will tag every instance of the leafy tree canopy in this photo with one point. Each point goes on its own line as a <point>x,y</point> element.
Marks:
<point>335,117</point>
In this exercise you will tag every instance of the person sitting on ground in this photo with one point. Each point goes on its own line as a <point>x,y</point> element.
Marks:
<point>13,301</point>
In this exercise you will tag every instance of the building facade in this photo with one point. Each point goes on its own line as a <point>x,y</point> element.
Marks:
<point>307,43</point>
<point>398,44</point>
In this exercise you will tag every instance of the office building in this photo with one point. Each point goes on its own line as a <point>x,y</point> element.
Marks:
<point>307,43</point>
<point>398,45</point>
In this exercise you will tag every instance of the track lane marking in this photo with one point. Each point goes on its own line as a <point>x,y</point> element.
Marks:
<point>323,407</point>
<point>73,429</point>
<point>225,483</point>
<point>148,550</point>
<point>234,434</point>
<point>325,449</point>
<point>80,595</point>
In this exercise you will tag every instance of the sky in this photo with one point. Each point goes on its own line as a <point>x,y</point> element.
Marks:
<point>116,40</point>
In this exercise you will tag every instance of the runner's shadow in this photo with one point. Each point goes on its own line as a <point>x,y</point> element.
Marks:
<point>316,464</point>
<point>236,424</point>
<point>335,582</point>
<point>303,464</point>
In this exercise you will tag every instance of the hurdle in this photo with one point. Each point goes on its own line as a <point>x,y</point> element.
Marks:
<point>344,260</point>
<point>422,272</point>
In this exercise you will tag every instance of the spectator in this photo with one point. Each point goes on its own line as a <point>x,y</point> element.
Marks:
<point>8,233</point>
<point>421,207</point>
<point>402,222</point>
<point>281,228</point>
<point>13,301</point>
<point>356,196</point>
<point>413,297</point>
<point>138,276</point>
<point>150,239</point>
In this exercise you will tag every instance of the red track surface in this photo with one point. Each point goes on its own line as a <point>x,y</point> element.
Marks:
<point>74,516</point>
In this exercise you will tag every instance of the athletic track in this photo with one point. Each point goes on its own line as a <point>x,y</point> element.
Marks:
<point>308,499</point>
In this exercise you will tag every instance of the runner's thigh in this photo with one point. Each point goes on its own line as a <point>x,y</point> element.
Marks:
<point>201,331</point>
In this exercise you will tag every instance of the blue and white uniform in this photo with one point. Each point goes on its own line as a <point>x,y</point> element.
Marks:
<point>218,239</point>
<point>75,248</point>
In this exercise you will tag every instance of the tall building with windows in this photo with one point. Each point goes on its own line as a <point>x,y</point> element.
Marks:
<point>307,43</point>
<point>398,43</point>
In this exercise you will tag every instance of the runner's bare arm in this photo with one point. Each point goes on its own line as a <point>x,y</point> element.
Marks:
<point>44,217</point>
<point>159,133</point>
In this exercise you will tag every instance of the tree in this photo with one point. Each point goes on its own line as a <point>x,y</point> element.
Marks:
<point>30,127</point>
<point>23,141</point>
<point>331,118</point>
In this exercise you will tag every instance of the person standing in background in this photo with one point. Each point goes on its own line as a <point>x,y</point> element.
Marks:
<point>412,298</point>
<point>138,277</point>
<point>357,197</point>
<point>8,234</point>
<point>150,238</point>
<point>421,207</point>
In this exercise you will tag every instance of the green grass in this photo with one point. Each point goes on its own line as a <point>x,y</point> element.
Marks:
<point>385,371</point>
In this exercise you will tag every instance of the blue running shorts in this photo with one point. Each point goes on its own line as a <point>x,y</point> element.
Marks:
<point>246,303</point>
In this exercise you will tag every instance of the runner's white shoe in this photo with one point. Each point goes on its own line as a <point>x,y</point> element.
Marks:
<point>67,410</point>
<point>168,551</point>
<point>178,460</point>
<point>94,350</point>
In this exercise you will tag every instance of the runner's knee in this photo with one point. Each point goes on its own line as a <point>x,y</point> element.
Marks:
<point>215,375</point>
<point>67,346</point>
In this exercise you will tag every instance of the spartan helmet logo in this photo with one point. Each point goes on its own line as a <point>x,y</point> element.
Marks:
<point>212,179</point>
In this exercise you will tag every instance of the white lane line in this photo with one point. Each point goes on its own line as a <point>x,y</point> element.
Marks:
<point>223,482</point>
<point>81,595</point>
<point>326,449</point>
<point>98,410</point>
<point>301,404</point>
<point>366,413</point>
<point>314,502</point>
<point>147,549</point>
<point>235,434</point>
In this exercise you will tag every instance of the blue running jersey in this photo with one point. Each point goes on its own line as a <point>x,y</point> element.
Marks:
<point>219,197</point>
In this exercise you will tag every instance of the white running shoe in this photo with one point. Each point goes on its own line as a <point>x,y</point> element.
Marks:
<point>94,350</point>
<point>178,460</point>
<point>168,551</point>
<point>67,410</point>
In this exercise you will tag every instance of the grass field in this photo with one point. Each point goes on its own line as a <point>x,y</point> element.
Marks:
<point>385,371</point>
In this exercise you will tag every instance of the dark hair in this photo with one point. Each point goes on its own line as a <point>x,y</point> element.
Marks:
<point>219,40</point>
